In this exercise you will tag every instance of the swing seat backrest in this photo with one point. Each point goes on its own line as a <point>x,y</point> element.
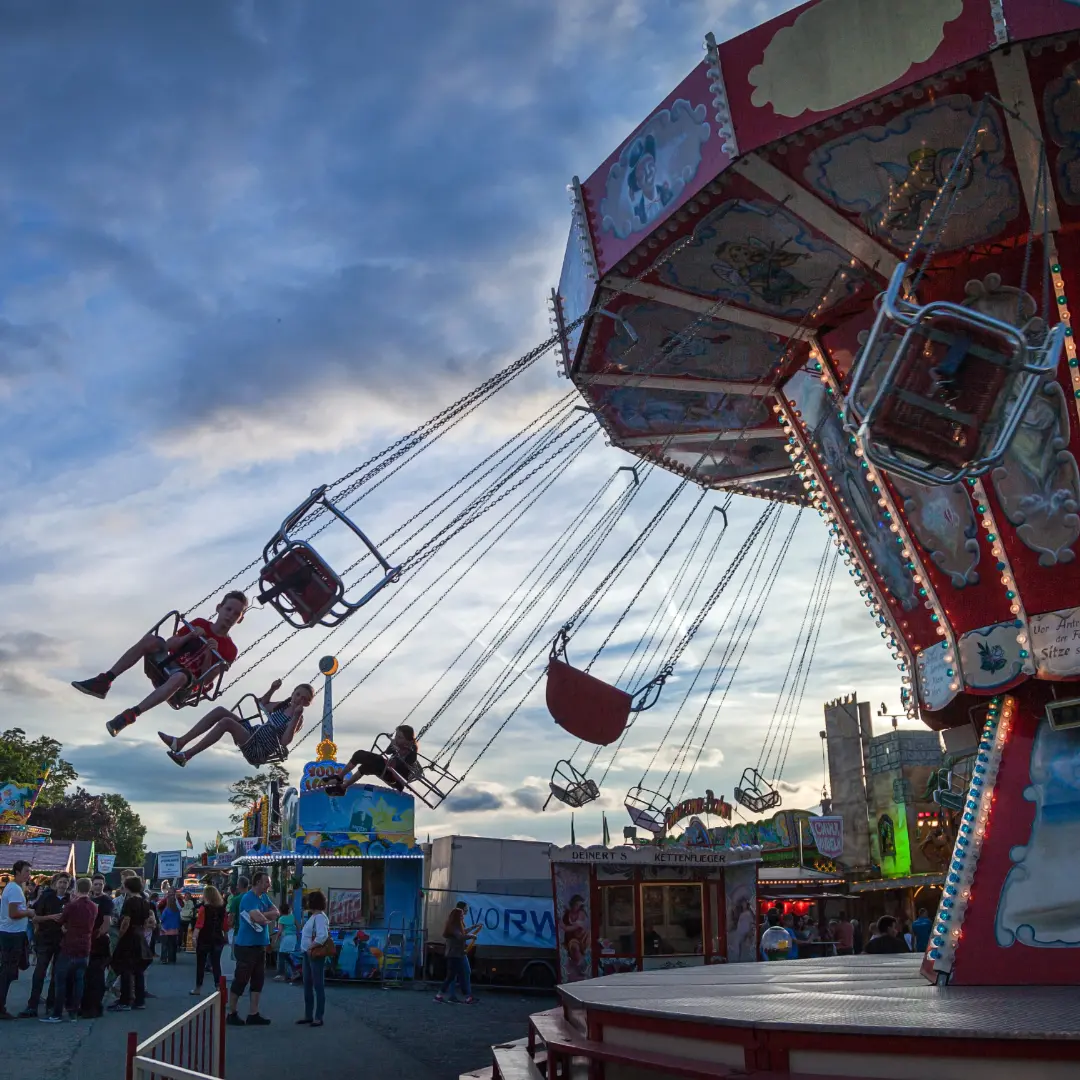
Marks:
<point>589,709</point>
<point>647,809</point>
<point>301,585</point>
<point>756,793</point>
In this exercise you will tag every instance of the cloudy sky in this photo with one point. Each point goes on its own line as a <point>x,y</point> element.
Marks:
<point>246,245</point>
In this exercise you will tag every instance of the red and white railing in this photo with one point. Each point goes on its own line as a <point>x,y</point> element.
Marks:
<point>192,1047</point>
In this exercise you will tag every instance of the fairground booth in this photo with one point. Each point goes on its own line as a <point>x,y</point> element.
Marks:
<point>360,851</point>
<point>641,908</point>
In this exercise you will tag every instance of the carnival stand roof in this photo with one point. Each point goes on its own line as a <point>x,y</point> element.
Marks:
<point>775,190</point>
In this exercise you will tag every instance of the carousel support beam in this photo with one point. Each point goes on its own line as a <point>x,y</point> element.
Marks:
<point>677,442</point>
<point>689,386</point>
<point>701,305</point>
<point>1025,130</point>
<point>817,214</point>
<point>753,478</point>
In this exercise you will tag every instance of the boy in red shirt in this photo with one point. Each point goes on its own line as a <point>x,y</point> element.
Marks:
<point>185,661</point>
<point>77,919</point>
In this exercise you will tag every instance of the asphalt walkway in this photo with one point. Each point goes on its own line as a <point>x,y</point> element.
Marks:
<point>400,1034</point>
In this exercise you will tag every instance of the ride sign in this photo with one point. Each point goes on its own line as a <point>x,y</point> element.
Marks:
<point>696,807</point>
<point>828,834</point>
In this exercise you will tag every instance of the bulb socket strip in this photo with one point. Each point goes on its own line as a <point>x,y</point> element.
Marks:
<point>806,468</point>
<point>1004,568</point>
<point>1061,302</point>
<point>975,822</point>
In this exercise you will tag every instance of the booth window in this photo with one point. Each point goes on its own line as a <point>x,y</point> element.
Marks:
<point>617,918</point>
<point>672,920</point>
<point>374,893</point>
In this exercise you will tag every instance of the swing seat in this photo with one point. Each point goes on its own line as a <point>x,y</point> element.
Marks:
<point>756,793</point>
<point>429,781</point>
<point>954,391</point>
<point>160,667</point>
<point>248,710</point>
<point>302,586</point>
<point>572,787</point>
<point>648,810</point>
<point>589,709</point>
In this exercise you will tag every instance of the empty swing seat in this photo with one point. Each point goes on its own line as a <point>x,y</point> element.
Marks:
<point>300,585</point>
<point>572,787</point>
<point>756,793</point>
<point>160,667</point>
<point>430,782</point>
<point>589,709</point>
<point>954,391</point>
<point>648,810</point>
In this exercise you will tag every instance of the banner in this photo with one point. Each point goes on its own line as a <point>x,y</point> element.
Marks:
<point>250,842</point>
<point>105,863</point>
<point>169,864</point>
<point>828,834</point>
<point>516,922</point>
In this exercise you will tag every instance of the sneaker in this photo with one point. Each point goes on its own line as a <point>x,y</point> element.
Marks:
<point>98,686</point>
<point>255,1020</point>
<point>234,1019</point>
<point>279,978</point>
<point>118,723</point>
<point>178,757</point>
<point>117,1007</point>
<point>50,1020</point>
<point>305,1021</point>
<point>470,1000</point>
<point>195,993</point>
<point>170,741</point>
<point>439,997</point>
<point>27,1014</point>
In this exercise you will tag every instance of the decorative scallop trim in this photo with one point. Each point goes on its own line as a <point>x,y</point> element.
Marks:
<point>725,125</point>
<point>581,227</point>
<point>1001,29</point>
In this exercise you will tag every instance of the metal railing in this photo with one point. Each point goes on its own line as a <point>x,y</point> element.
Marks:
<point>192,1047</point>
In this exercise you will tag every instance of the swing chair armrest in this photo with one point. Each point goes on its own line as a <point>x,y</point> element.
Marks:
<point>649,694</point>
<point>290,522</point>
<point>558,645</point>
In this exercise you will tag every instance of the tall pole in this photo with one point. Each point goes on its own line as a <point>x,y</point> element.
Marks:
<point>327,751</point>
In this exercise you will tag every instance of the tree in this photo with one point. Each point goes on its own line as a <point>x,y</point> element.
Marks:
<point>130,831</point>
<point>20,760</point>
<point>247,791</point>
<point>106,819</point>
<point>80,816</point>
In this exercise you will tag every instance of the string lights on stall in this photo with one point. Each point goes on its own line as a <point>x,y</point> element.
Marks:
<point>1061,302</point>
<point>971,835</point>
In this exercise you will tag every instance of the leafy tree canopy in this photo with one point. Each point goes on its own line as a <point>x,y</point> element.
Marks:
<point>21,758</point>
<point>250,789</point>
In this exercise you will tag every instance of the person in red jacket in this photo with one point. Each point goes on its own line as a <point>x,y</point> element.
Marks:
<point>77,919</point>
<point>187,658</point>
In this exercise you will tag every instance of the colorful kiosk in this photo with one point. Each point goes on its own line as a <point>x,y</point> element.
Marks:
<point>360,851</point>
<point>647,908</point>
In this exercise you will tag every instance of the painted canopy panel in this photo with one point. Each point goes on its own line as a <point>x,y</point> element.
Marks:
<point>656,171</point>
<point>1035,18</point>
<point>576,289</point>
<point>825,57</point>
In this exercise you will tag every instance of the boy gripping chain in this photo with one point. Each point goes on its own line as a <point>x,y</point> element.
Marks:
<point>261,743</point>
<point>186,658</point>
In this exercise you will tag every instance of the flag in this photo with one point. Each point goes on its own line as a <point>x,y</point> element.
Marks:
<point>189,843</point>
<point>607,833</point>
<point>217,842</point>
<point>573,839</point>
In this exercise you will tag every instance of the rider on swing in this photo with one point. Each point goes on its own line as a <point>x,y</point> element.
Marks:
<point>402,760</point>
<point>261,743</point>
<point>187,658</point>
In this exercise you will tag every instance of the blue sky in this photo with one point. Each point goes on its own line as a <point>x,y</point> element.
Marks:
<point>247,244</point>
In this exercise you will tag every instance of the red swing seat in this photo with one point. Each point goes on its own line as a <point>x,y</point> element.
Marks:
<point>581,704</point>
<point>160,667</point>
<point>301,583</point>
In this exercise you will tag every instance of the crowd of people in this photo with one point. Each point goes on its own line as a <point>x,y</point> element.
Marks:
<point>887,935</point>
<point>86,940</point>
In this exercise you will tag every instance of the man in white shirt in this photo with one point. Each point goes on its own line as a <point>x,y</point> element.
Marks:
<point>14,919</point>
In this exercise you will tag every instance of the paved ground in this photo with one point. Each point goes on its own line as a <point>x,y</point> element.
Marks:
<point>370,1032</point>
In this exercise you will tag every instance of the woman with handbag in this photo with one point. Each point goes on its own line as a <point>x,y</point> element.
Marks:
<point>211,924</point>
<point>316,945</point>
<point>133,954</point>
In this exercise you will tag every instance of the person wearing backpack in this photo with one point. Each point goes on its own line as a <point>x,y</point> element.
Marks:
<point>316,945</point>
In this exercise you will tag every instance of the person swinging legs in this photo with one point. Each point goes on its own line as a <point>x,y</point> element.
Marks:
<point>187,658</point>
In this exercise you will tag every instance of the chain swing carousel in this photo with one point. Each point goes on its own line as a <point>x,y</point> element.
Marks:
<point>884,199</point>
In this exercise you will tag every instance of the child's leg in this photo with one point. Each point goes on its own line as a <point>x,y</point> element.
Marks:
<point>227,725</point>
<point>203,725</point>
<point>142,648</point>
<point>163,692</point>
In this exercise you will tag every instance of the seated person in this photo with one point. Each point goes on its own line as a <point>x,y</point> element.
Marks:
<point>185,658</point>
<point>260,744</point>
<point>391,771</point>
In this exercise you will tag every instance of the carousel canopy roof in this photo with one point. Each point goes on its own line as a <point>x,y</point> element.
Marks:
<point>762,207</point>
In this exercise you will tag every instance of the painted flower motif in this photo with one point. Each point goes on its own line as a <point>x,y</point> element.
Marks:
<point>991,657</point>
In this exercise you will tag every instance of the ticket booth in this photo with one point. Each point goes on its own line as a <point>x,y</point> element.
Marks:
<point>640,908</point>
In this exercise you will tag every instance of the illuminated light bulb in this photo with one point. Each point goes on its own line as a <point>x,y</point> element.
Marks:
<point>1015,609</point>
